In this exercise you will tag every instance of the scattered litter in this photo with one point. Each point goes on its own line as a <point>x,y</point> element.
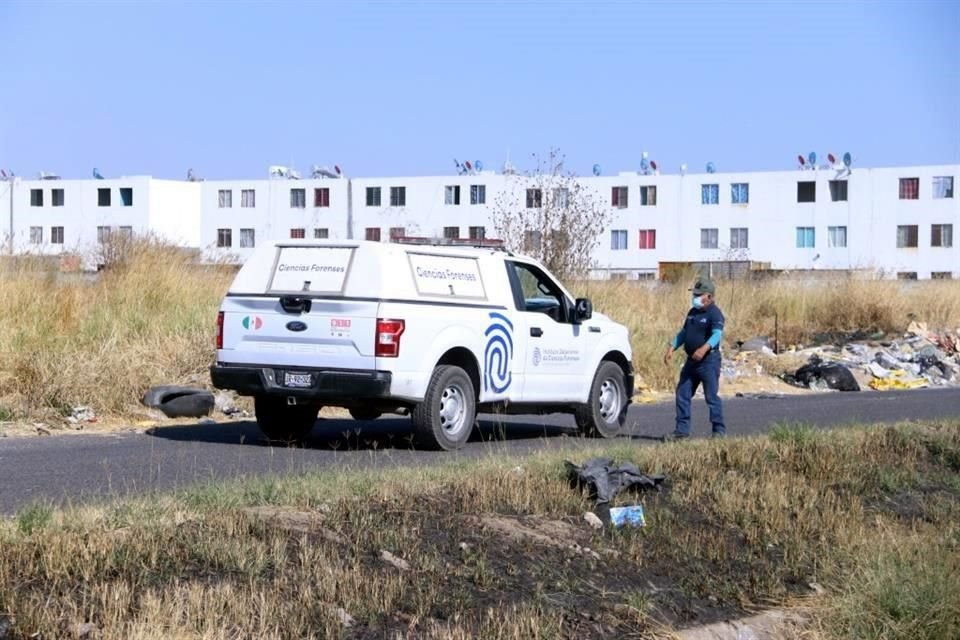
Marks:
<point>225,403</point>
<point>759,343</point>
<point>399,563</point>
<point>606,480</point>
<point>81,414</point>
<point>898,380</point>
<point>593,520</point>
<point>42,429</point>
<point>627,516</point>
<point>345,618</point>
<point>465,547</point>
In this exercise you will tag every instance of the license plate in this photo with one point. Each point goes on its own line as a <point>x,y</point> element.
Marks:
<point>301,380</point>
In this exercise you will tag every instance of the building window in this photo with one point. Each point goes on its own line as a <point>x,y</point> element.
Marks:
<point>837,237</point>
<point>56,235</point>
<point>321,197</point>
<point>125,233</point>
<point>398,196</point>
<point>941,235</point>
<point>126,197</point>
<point>103,197</point>
<point>321,233</point>
<point>36,235</point>
<point>225,198</point>
<point>739,238</point>
<point>941,275</point>
<point>942,187</point>
<point>451,194</point>
<point>248,238</point>
<point>838,190</point>
<point>478,194</point>
<point>909,188</point>
<point>648,196</point>
<point>103,234</point>
<point>451,233</point>
<point>618,197</point>
<point>618,239</point>
<point>807,191</point>
<point>532,239</point>
<point>396,233</point>
<point>298,233</point>
<point>373,233</point>
<point>373,196</point>
<point>56,195</point>
<point>561,198</point>
<point>740,193</point>
<point>478,233</point>
<point>298,198</point>
<point>648,238</point>
<point>906,275</point>
<point>534,198</point>
<point>36,197</point>
<point>906,236</point>
<point>248,198</point>
<point>224,238</point>
<point>806,237</point>
<point>646,275</point>
<point>709,194</point>
<point>709,238</point>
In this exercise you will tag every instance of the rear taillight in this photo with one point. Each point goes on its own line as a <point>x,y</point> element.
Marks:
<point>388,338</point>
<point>220,330</point>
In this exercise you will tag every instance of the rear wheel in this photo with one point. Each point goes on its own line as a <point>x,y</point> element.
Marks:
<point>364,413</point>
<point>282,423</point>
<point>445,418</point>
<point>606,412</point>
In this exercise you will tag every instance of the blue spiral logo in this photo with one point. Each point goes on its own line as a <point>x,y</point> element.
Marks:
<point>498,354</point>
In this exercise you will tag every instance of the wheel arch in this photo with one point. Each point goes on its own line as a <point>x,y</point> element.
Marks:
<point>462,357</point>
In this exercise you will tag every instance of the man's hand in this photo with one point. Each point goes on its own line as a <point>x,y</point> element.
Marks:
<point>700,353</point>
<point>668,356</point>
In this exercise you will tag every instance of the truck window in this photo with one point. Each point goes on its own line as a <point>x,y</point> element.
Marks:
<point>534,291</point>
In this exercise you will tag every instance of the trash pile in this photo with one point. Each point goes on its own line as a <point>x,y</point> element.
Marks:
<point>917,359</point>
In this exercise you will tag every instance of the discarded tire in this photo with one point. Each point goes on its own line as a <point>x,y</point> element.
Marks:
<point>180,402</point>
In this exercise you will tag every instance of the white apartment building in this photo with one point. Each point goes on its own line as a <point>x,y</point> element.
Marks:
<point>897,222</point>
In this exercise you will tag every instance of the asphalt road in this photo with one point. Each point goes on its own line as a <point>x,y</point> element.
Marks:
<point>65,469</point>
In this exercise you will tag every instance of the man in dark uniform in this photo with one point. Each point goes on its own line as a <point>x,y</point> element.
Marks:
<point>700,338</point>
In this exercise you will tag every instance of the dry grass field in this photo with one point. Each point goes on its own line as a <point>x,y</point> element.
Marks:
<point>857,529</point>
<point>69,341</point>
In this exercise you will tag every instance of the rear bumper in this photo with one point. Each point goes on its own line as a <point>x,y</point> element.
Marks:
<point>326,384</point>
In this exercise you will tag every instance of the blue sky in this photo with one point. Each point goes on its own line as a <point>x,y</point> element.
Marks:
<point>228,88</point>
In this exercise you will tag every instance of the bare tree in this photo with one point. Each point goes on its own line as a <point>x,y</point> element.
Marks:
<point>552,216</point>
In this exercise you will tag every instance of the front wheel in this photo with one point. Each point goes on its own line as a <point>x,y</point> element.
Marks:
<point>445,418</point>
<point>282,423</point>
<point>606,412</point>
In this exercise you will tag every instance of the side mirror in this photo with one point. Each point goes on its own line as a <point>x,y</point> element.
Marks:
<point>584,309</point>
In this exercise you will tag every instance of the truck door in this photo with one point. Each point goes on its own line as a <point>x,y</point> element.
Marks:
<point>555,351</point>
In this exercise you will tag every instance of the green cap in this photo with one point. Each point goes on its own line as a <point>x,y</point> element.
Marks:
<point>703,285</point>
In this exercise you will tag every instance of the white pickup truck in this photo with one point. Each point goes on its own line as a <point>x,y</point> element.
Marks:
<point>435,332</point>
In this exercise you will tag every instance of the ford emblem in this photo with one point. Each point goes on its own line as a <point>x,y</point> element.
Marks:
<point>296,325</point>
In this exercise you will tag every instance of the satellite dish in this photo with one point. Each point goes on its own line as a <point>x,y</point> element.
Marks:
<point>468,165</point>
<point>478,165</point>
<point>711,168</point>
<point>801,160</point>
<point>3,173</point>
<point>832,159</point>
<point>97,174</point>
<point>596,170</point>
<point>653,165</point>
<point>847,159</point>
<point>812,158</point>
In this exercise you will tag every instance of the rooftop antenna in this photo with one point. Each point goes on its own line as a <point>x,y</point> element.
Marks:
<point>97,174</point>
<point>478,165</point>
<point>644,163</point>
<point>847,161</point>
<point>711,168</point>
<point>812,159</point>
<point>596,170</point>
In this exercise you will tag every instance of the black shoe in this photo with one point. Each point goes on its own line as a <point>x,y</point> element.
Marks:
<point>676,437</point>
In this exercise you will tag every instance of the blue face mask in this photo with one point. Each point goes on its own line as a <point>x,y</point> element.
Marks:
<point>697,302</point>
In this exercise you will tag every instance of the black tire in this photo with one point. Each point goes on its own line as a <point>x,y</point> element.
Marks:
<point>446,417</point>
<point>606,413</point>
<point>363,413</point>
<point>282,423</point>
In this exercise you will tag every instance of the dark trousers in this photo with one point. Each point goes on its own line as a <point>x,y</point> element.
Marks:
<point>693,374</point>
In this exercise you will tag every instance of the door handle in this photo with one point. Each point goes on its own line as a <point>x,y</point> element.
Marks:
<point>536,332</point>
